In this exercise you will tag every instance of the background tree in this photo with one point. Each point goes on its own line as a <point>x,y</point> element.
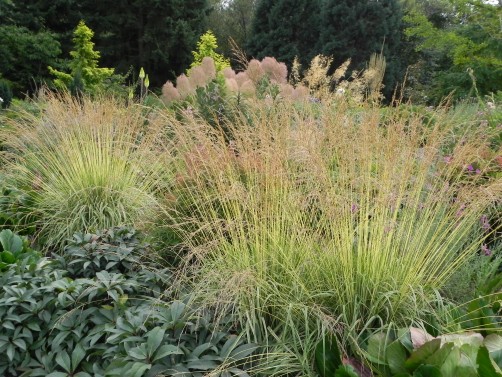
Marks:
<point>85,74</point>
<point>231,19</point>
<point>357,28</point>
<point>284,29</point>
<point>156,35</point>
<point>24,52</point>
<point>206,47</point>
<point>25,55</point>
<point>462,52</point>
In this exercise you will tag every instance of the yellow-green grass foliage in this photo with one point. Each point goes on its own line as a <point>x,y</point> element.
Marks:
<point>356,219</point>
<point>85,164</point>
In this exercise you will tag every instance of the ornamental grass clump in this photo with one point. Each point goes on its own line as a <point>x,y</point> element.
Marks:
<point>338,217</point>
<point>85,164</point>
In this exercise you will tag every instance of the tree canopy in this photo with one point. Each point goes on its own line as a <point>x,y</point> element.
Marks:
<point>156,35</point>
<point>356,29</point>
<point>285,29</point>
<point>462,43</point>
<point>85,74</point>
<point>446,45</point>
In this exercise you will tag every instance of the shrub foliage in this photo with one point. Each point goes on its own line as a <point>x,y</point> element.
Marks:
<point>97,311</point>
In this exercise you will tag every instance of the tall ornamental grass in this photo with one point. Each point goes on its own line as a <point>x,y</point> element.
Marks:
<point>329,220</point>
<point>85,165</point>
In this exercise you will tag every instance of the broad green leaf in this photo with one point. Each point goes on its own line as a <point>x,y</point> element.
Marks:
<point>10,352</point>
<point>396,357</point>
<point>427,371</point>
<point>138,353</point>
<point>63,360</point>
<point>58,374</point>
<point>243,351</point>
<point>346,371</point>
<point>439,357</point>
<point>486,366</point>
<point>468,354</point>
<point>177,309</point>
<point>327,356</point>
<point>154,339</point>
<point>82,374</point>
<point>77,356</point>
<point>199,350</point>
<point>34,326</point>
<point>419,356</point>
<point>20,343</point>
<point>179,370</point>
<point>166,350</point>
<point>377,347</point>
<point>8,325</point>
<point>7,257</point>
<point>451,363</point>
<point>228,346</point>
<point>201,364</point>
<point>136,369</point>
<point>493,343</point>
<point>10,241</point>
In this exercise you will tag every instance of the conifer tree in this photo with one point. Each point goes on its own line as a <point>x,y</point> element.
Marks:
<point>356,29</point>
<point>156,35</point>
<point>206,47</point>
<point>85,74</point>
<point>284,29</point>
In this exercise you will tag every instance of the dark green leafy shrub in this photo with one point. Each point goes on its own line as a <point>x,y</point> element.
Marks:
<point>105,316</point>
<point>116,250</point>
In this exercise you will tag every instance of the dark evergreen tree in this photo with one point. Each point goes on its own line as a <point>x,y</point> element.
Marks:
<point>157,35</point>
<point>26,48</point>
<point>231,19</point>
<point>357,28</point>
<point>285,29</point>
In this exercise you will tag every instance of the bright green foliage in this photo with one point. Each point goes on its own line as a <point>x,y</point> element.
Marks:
<point>13,248</point>
<point>465,45</point>
<point>85,74</point>
<point>206,47</point>
<point>414,353</point>
<point>355,29</point>
<point>285,29</point>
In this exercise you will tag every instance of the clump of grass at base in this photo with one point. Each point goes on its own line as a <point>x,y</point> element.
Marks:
<point>86,165</point>
<point>357,223</point>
